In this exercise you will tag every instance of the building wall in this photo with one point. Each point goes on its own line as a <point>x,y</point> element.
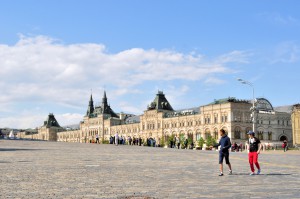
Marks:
<point>234,118</point>
<point>296,125</point>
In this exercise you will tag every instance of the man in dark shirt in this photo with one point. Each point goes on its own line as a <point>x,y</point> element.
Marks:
<point>254,148</point>
<point>224,144</point>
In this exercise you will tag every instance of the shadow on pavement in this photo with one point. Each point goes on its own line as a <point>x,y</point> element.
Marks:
<point>14,149</point>
<point>266,174</point>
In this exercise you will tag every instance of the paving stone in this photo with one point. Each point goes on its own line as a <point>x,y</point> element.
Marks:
<point>32,169</point>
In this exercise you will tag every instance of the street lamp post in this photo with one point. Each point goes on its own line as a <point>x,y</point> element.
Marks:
<point>253,101</point>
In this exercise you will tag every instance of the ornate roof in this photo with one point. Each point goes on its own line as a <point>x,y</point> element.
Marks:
<point>263,104</point>
<point>160,103</point>
<point>51,121</point>
<point>104,108</point>
<point>91,108</point>
<point>227,100</point>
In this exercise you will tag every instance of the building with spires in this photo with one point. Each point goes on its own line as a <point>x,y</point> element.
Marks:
<point>160,121</point>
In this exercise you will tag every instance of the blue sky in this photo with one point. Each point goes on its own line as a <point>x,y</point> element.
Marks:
<point>52,53</point>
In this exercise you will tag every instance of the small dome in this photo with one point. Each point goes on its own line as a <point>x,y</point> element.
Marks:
<point>263,104</point>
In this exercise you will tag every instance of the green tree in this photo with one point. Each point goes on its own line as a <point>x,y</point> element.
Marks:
<point>201,142</point>
<point>181,139</point>
<point>104,141</point>
<point>162,141</point>
<point>210,141</point>
<point>171,138</point>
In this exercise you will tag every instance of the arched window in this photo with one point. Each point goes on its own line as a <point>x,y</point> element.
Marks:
<point>207,133</point>
<point>237,133</point>
<point>190,135</point>
<point>260,135</point>
<point>198,135</point>
<point>216,136</point>
<point>246,132</point>
<point>269,135</point>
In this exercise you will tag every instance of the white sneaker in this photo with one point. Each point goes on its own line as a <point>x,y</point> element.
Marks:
<point>230,172</point>
<point>252,174</point>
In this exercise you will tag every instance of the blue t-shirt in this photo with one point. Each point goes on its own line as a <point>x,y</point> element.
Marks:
<point>224,143</point>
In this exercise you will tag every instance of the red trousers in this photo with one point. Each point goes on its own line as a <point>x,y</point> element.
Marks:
<point>253,159</point>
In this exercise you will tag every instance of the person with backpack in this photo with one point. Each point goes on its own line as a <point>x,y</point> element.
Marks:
<point>254,147</point>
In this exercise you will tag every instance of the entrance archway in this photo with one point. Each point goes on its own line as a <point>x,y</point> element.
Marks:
<point>282,138</point>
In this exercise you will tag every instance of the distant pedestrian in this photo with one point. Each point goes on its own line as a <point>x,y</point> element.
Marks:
<point>192,145</point>
<point>241,147</point>
<point>254,147</point>
<point>97,138</point>
<point>130,140</point>
<point>177,141</point>
<point>285,146</point>
<point>158,142</point>
<point>225,145</point>
<point>174,142</point>
<point>116,139</point>
<point>186,143</point>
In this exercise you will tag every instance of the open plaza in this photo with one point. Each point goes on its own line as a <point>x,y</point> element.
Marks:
<point>40,169</point>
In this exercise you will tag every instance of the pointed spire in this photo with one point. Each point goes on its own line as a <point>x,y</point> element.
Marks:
<point>104,99</point>
<point>91,106</point>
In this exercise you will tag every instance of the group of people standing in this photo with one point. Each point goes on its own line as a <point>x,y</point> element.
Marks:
<point>253,147</point>
<point>138,141</point>
<point>176,143</point>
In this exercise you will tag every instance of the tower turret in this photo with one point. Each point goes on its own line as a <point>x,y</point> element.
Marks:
<point>104,100</point>
<point>90,109</point>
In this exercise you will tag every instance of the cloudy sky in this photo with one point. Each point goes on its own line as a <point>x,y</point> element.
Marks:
<point>53,53</point>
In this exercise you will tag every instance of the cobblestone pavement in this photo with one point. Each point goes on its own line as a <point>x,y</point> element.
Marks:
<point>36,169</point>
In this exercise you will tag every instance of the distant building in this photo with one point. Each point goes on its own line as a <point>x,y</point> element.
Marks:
<point>46,132</point>
<point>160,121</point>
<point>296,124</point>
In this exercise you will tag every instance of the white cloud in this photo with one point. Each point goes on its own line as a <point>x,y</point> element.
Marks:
<point>277,18</point>
<point>43,69</point>
<point>34,119</point>
<point>286,52</point>
<point>214,81</point>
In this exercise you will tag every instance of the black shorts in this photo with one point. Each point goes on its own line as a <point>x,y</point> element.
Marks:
<point>222,156</point>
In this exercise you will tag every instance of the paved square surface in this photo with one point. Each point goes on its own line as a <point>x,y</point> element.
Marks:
<point>32,169</point>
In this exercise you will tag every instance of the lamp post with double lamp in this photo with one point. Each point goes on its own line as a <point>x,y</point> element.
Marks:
<point>253,101</point>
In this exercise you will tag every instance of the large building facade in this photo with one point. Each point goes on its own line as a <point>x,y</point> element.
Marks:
<point>160,121</point>
<point>296,124</point>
